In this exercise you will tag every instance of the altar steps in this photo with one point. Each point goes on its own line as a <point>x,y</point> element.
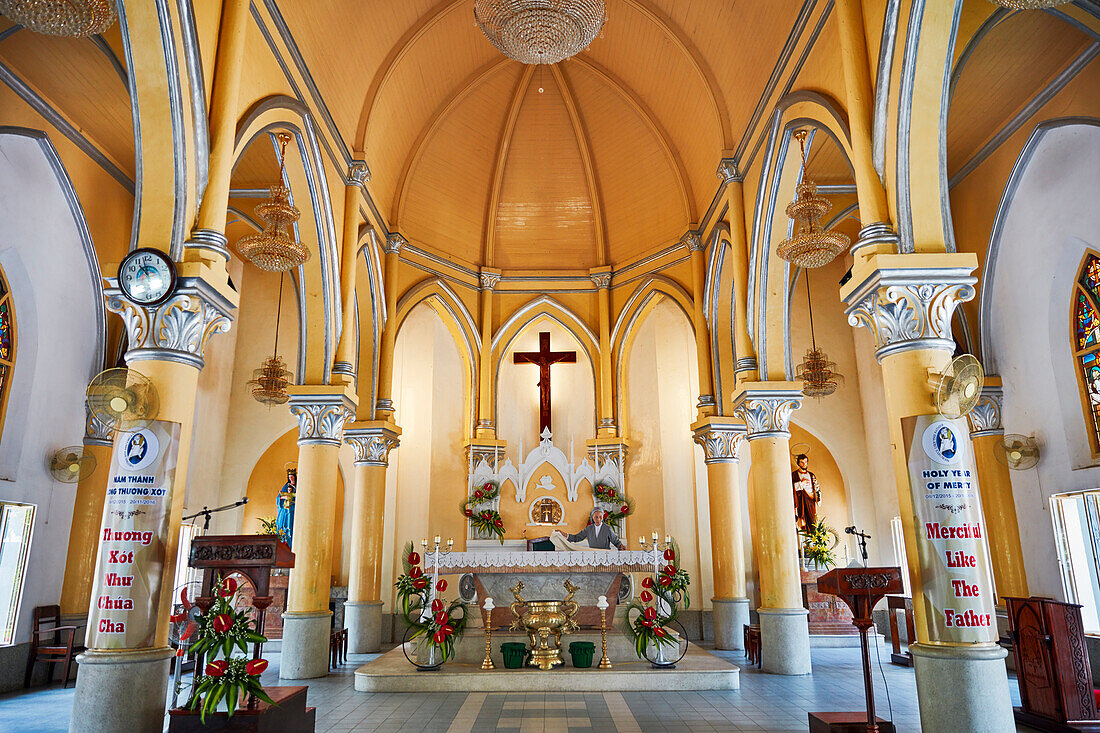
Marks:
<point>698,670</point>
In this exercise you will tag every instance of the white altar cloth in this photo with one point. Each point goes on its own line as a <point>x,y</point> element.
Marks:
<point>523,561</point>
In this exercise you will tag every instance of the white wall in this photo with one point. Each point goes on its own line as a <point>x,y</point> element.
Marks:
<point>58,350</point>
<point>1050,219</point>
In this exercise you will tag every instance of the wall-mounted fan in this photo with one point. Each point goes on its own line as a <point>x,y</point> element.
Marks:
<point>1018,452</point>
<point>123,398</point>
<point>70,465</point>
<point>959,387</point>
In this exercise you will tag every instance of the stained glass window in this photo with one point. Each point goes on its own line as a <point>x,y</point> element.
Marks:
<point>1086,341</point>
<point>7,344</point>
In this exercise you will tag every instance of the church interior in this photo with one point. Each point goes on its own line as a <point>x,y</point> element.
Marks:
<point>549,365</point>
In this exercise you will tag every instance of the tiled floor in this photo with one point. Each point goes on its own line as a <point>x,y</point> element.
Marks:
<point>764,703</point>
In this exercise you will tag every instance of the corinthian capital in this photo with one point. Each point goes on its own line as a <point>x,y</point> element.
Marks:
<point>693,241</point>
<point>907,301</point>
<point>766,408</point>
<point>358,173</point>
<point>720,438</point>
<point>727,171</point>
<point>602,280</point>
<point>489,279</point>
<point>985,418</point>
<point>394,243</point>
<point>372,442</point>
<point>177,329</point>
<point>321,412</point>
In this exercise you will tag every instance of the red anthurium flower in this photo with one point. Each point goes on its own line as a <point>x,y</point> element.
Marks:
<point>477,494</point>
<point>650,613</point>
<point>256,666</point>
<point>416,572</point>
<point>414,558</point>
<point>439,637</point>
<point>487,487</point>
<point>217,669</point>
<point>647,582</point>
<point>647,623</point>
<point>669,569</point>
<point>448,629</point>
<point>646,596</point>
<point>670,554</point>
<point>437,605</point>
<point>420,583</point>
<point>223,623</point>
<point>499,523</point>
<point>441,585</point>
<point>468,512</point>
<point>666,580</point>
<point>659,631</point>
<point>442,618</point>
<point>229,587</point>
<point>624,509</point>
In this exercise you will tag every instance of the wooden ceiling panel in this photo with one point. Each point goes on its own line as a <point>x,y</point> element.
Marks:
<point>545,218</point>
<point>1013,63</point>
<point>258,166</point>
<point>444,208</point>
<point>826,163</point>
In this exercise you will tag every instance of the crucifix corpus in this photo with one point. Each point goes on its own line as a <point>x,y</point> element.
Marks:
<point>544,357</point>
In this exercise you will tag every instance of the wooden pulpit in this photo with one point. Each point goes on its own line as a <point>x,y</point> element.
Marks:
<point>861,589</point>
<point>1052,665</point>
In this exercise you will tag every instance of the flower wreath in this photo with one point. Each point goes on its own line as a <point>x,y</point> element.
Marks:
<point>616,506</point>
<point>435,622</point>
<point>486,522</point>
<point>648,619</point>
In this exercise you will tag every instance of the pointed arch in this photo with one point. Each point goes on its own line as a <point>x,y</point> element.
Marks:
<point>588,161</point>
<point>1085,339</point>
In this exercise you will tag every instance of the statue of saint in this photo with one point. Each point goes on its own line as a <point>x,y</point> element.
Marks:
<point>807,492</point>
<point>284,502</point>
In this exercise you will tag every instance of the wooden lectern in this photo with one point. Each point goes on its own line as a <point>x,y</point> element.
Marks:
<point>1052,665</point>
<point>861,589</point>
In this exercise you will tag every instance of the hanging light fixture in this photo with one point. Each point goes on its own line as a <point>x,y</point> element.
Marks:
<point>275,249</point>
<point>540,31</point>
<point>1030,4</point>
<point>810,245</point>
<point>818,375</point>
<point>72,18</point>
<point>270,381</point>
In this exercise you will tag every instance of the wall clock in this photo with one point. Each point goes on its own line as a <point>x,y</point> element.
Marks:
<point>147,276</point>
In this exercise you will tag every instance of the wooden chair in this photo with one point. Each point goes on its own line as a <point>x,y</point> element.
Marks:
<point>59,649</point>
<point>752,644</point>
<point>338,648</point>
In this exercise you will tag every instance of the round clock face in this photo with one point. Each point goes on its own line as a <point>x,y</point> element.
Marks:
<point>147,276</point>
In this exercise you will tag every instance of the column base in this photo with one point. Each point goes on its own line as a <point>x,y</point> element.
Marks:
<point>730,617</point>
<point>363,620</point>
<point>785,640</point>
<point>120,691</point>
<point>305,652</point>
<point>963,689</point>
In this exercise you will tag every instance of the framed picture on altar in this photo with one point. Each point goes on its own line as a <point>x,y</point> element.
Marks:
<point>546,512</point>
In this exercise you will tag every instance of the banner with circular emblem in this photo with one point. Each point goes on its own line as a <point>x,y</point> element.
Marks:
<point>956,581</point>
<point>133,538</point>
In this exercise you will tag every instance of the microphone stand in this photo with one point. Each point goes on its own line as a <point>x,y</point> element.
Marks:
<point>205,513</point>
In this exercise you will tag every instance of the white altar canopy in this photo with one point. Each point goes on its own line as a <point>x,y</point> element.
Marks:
<point>524,561</point>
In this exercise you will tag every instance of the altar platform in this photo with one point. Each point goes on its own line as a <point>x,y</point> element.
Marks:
<point>698,670</point>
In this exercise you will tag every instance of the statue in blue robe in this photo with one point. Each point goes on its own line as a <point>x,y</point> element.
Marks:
<point>284,502</point>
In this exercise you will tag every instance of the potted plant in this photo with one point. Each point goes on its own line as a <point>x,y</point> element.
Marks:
<point>817,545</point>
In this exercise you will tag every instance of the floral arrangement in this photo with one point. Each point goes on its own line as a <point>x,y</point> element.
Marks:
<point>268,526</point>
<point>221,631</point>
<point>816,545</point>
<point>616,506</point>
<point>486,522</point>
<point>648,619</point>
<point>436,622</point>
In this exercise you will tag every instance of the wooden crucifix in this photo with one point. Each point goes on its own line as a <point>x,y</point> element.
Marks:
<point>544,357</point>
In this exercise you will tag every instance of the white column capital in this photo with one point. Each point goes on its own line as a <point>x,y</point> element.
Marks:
<point>727,171</point>
<point>766,407</point>
<point>907,301</point>
<point>358,173</point>
<point>321,411</point>
<point>985,418</point>
<point>489,279</point>
<point>720,438</point>
<point>393,244</point>
<point>693,241</point>
<point>372,441</point>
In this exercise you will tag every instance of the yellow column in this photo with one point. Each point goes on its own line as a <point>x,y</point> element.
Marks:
<point>907,302</point>
<point>745,366</point>
<point>485,427</point>
<point>998,503</point>
<point>321,412</point>
<point>372,442</point>
<point>76,590</point>
<point>697,247</point>
<point>606,428</point>
<point>383,408</point>
<point>358,174</point>
<point>784,634</point>
<point>207,239</point>
<point>720,439</point>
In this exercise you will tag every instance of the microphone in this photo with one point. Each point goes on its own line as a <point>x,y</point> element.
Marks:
<point>850,530</point>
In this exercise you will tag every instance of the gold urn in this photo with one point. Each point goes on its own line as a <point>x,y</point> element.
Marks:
<point>545,622</point>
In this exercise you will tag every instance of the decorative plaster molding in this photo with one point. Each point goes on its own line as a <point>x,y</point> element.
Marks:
<point>602,280</point>
<point>489,279</point>
<point>372,444</point>
<point>706,400</point>
<point>321,417</point>
<point>985,418</point>
<point>745,364</point>
<point>358,173</point>
<point>608,422</point>
<point>767,412</point>
<point>96,432</point>
<point>727,171</point>
<point>384,404</point>
<point>721,443</point>
<point>394,242</point>
<point>177,329</point>
<point>875,234</point>
<point>910,307</point>
<point>344,367</point>
<point>491,454</point>
<point>210,240</point>
<point>693,241</point>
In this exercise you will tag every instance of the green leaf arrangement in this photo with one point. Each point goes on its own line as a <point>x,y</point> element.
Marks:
<point>604,494</point>
<point>815,544</point>
<point>435,621</point>
<point>486,521</point>
<point>645,622</point>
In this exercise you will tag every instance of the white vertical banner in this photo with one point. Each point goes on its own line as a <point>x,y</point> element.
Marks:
<point>956,580</point>
<point>133,538</point>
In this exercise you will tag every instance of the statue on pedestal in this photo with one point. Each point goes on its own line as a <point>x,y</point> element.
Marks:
<point>807,493</point>
<point>284,503</point>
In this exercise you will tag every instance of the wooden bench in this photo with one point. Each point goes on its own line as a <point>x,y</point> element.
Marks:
<point>896,604</point>
<point>752,645</point>
<point>338,648</point>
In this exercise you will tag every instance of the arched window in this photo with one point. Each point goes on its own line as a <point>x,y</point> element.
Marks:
<point>7,344</point>
<point>1086,343</point>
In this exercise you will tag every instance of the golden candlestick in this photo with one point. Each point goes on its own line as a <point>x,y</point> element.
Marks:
<point>602,604</point>
<point>487,663</point>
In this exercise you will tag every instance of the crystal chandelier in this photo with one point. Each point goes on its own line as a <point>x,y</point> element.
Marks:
<point>810,245</point>
<point>73,18</point>
<point>275,249</point>
<point>540,31</point>
<point>818,375</point>
<point>1030,4</point>
<point>270,381</point>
